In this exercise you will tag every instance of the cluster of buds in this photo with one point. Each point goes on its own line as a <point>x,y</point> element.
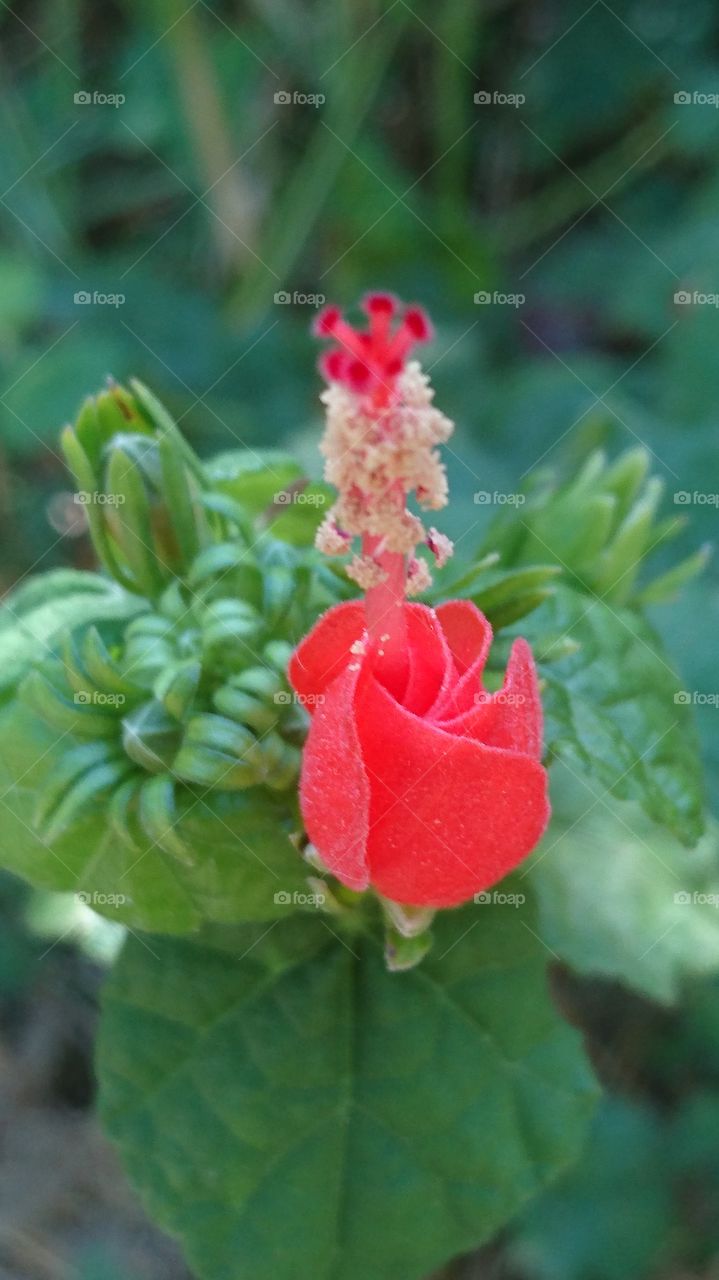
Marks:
<point>380,446</point>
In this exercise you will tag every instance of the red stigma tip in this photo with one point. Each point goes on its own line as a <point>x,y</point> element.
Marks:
<point>357,375</point>
<point>376,304</point>
<point>418,324</point>
<point>369,361</point>
<point>326,322</point>
<point>332,365</point>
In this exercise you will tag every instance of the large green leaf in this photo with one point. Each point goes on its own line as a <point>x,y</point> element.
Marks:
<point>620,898</point>
<point>290,1108</point>
<point>610,709</point>
<point>239,843</point>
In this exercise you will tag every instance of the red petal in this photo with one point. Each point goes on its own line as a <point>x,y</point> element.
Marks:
<point>469,637</point>
<point>326,651</point>
<point>334,790</point>
<point>429,658</point>
<point>511,717</point>
<point>449,816</point>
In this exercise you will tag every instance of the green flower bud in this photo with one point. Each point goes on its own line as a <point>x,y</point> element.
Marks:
<point>141,486</point>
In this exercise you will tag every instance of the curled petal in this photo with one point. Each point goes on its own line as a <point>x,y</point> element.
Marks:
<point>430,662</point>
<point>327,650</point>
<point>334,789</point>
<point>449,816</point>
<point>469,636</point>
<point>512,717</point>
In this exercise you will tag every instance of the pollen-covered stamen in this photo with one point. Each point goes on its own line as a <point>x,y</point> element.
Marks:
<point>441,547</point>
<point>332,540</point>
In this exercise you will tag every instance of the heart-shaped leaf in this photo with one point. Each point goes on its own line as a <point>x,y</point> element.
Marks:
<point>290,1108</point>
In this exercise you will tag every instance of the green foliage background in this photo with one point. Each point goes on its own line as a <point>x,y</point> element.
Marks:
<point>200,198</point>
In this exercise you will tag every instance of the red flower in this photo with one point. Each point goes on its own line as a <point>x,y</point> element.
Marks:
<point>417,781</point>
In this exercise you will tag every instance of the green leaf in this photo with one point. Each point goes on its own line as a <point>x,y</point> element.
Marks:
<point>297,513</point>
<point>290,1108</point>
<point>37,613</point>
<point>252,477</point>
<point>239,843</point>
<point>611,714</point>
<point>619,899</point>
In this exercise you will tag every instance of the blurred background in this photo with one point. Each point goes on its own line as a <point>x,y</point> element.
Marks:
<point>181,186</point>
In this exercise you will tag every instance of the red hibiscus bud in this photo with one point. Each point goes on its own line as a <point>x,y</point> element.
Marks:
<point>430,792</point>
<point>415,779</point>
